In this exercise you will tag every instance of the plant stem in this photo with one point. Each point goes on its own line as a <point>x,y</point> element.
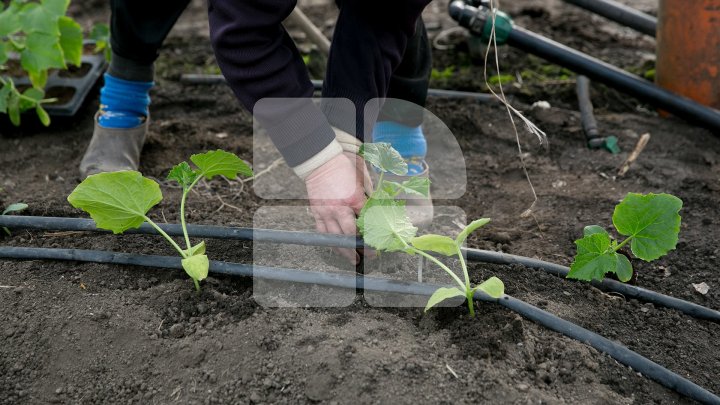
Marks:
<point>182,218</point>
<point>186,191</point>
<point>464,267</point>
<point>471,303</point>
<point>197,286</point>
<point>439,263</point>
<point>166,236</point>
<point>623,243</point>
<point>468,290</point>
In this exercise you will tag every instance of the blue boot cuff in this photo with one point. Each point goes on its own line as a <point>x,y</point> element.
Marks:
<point>123,103</point>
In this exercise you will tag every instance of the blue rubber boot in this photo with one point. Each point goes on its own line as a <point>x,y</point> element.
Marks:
<point>408,141</point>
<point>411,144</point>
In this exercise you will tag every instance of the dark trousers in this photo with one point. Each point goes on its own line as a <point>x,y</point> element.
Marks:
<point>137,31</point>
<point>379,49</point>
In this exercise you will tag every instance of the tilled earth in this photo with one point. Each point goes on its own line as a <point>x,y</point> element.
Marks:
<point>89,333</point>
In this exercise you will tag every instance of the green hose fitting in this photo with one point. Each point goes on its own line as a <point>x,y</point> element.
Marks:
<point>503,26</point>
<point>609,143</point>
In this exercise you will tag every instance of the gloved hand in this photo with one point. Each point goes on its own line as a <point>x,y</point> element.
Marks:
<point>336,191</point>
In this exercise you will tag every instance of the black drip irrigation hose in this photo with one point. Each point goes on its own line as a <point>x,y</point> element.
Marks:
<point>617,351</point>
<point>596,69</point>
<point>587,117</point>
<point>620,13</point>
<point>341,241</point>
<point>200,79</point>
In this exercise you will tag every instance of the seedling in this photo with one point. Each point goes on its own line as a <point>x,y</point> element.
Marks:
<point>100,35</point>
<point>17,207</point>
<point>44,38</point>
<point>649,222</point>
<point>385,226</point>
<point>119,201</point>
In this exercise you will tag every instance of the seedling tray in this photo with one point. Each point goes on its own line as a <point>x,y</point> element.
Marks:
<point>70,87</point>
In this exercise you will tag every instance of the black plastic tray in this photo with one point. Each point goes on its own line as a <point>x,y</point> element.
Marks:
<point>81,85</point>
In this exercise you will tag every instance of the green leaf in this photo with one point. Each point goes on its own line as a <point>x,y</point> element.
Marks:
<point>196,267</point>
<point>442,294</point>
<point>42,52</point>
<point>415,186</point>
<point>221,163</point>
<point>196,250</point>
<point>37,18</point>
<point>493,287</point>
<point>3,52</point>
<point>9,20</point>
<point>101,35</point>
<point>378,198</point>
<point>653,222</point>
<point>593,229</point>
<point>183,174</point>
<point>595,258</point>
<point>117,201</point>
<point>34,94</point>
<point>71,40</point>
<point>4,97</point>
<point>387,227</point>
<point>17,207</point>
<point>14,107</point>
<point>472,226</point>
<point>436,243</point>
<point>16,44</point>
<point>56,7</point>
<point>624,270</point>
<point>38,79</point>
<point>384,158</point>
<point>42,115</point>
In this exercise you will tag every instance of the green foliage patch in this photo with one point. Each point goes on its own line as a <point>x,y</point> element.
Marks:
<point>385,226</point>
<point>119,201</point>
<point>650,223</point>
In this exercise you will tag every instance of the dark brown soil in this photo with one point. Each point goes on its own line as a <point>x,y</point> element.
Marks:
<point>87,333</point>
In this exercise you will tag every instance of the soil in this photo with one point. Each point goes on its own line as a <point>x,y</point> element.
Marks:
<point>89,333</point>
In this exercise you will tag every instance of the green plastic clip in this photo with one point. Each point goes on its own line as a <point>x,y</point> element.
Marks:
<point>503,27</point>
<point>609,143</point>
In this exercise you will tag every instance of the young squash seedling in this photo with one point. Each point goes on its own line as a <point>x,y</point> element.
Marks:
<point>119,201</point>
<point>649,222</point>
<point>44,38</point>
<point>385,226</point>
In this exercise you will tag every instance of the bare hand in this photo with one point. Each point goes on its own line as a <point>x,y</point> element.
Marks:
<point>336,191</point>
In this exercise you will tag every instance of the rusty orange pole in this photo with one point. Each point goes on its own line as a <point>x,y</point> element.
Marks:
<point>688,49</point>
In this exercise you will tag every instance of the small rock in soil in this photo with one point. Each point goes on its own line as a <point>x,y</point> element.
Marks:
<point>255,397</point>
<point>177,331</point>
<point>701,288</point>
<point>318,387</point>
<point>500,237</point>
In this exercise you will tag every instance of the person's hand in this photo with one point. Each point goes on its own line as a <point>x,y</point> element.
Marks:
<point>336,191</point>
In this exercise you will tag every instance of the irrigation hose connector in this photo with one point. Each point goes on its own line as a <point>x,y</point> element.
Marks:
<point>480,21</point>
<point>609,143</point>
